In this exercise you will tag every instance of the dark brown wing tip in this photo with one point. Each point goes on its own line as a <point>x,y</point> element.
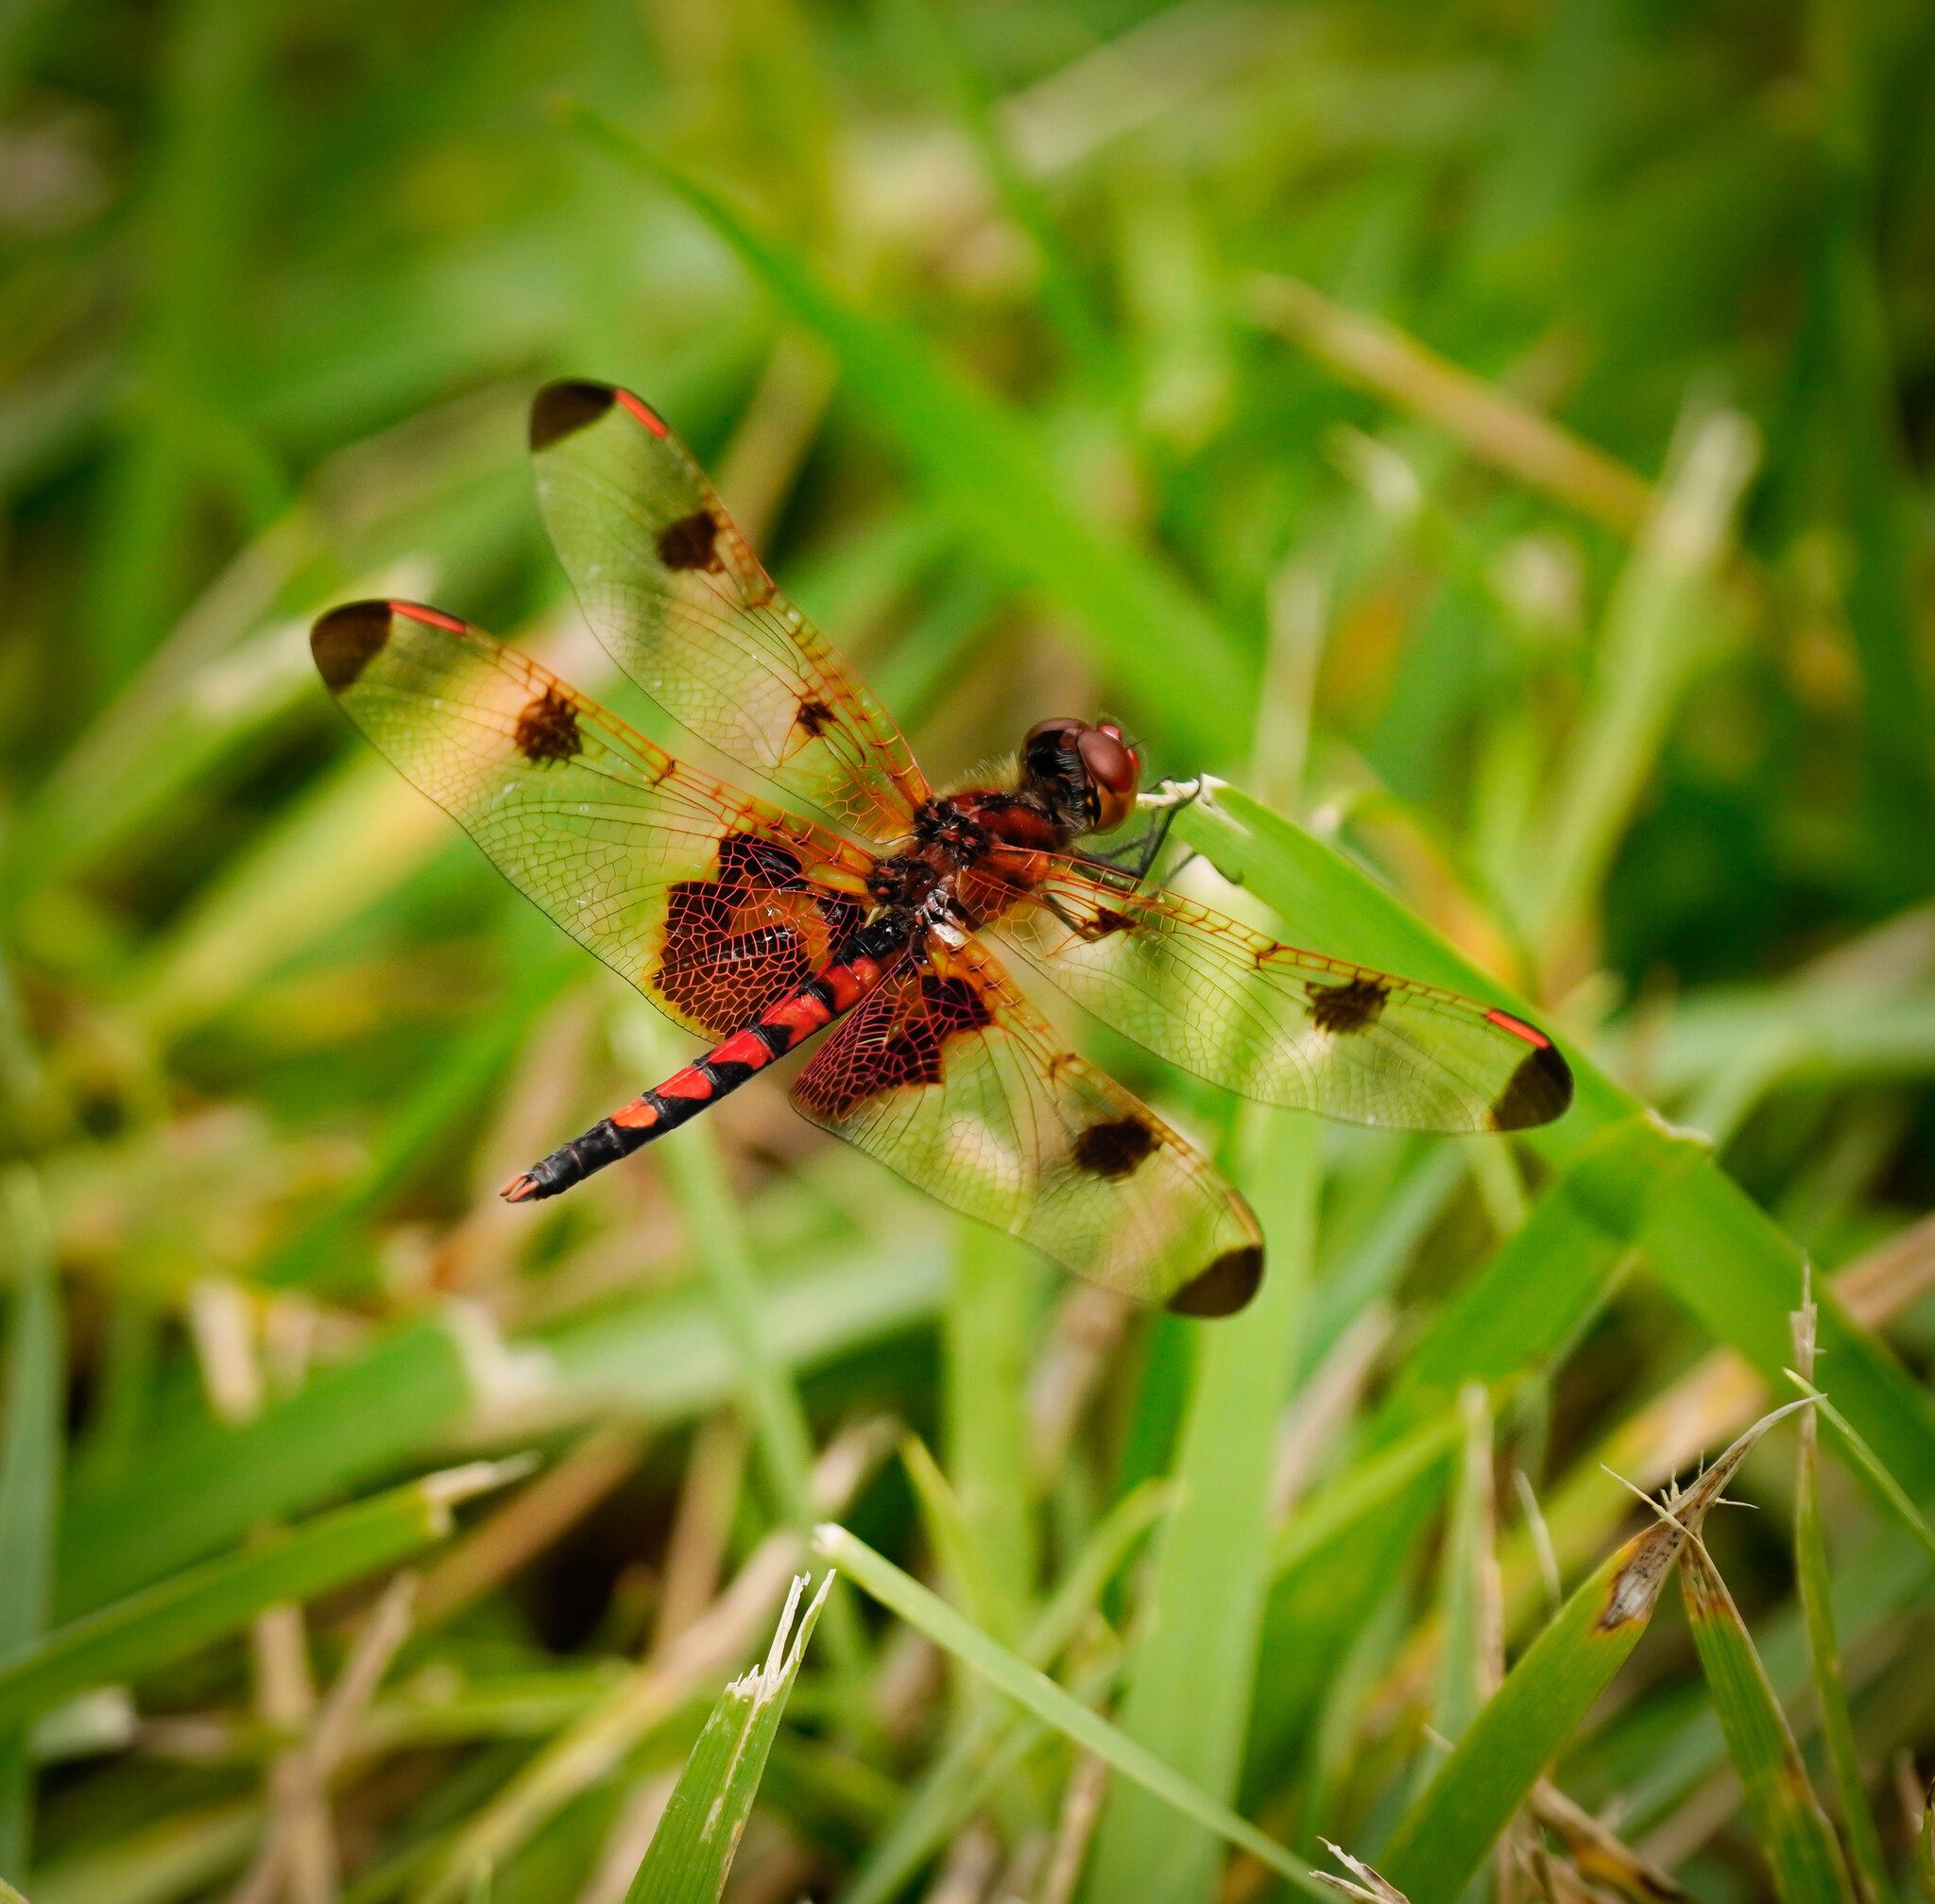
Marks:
<point>346,640</point>
<point>1224,1287</point>
<point>559,410</point>
<point>1539,1090</point>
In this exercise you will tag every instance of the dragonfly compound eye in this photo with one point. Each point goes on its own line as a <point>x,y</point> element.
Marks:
<point>1113,771</point>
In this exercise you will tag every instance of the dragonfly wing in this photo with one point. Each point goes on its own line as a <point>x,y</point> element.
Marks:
<point>712,902</point>
<point>1288,1027</point>
<point>673,591</point>
<point>947,1074</point>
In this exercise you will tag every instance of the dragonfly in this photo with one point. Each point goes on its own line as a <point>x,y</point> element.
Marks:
<point>892,931</point>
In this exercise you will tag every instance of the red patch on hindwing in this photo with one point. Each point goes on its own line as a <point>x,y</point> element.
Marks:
<point>904,1037</point>
<point>753,932</point>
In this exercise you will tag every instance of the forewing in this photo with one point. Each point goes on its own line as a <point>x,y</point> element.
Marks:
<point>672,589</point>
<point>710,902</point>
<point>950,1077</point>
<point>1285,1026</point>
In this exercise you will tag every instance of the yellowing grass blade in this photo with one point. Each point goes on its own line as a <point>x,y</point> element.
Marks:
<point>1441,1841</point>
<point>1792,1829</point>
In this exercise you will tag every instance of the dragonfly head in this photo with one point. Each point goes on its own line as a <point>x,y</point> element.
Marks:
<point>1092,771</point>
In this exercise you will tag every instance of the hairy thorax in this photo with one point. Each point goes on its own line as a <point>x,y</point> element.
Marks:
<point>975,854</point>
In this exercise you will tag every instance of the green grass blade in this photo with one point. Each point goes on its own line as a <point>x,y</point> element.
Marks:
<point>954,1542</point>
<point>1659,625</point>
<point>1789,1823</point>
<point>988,1333</point>
<point>169,1620</point>
<point>1189,1680</point>
<point>1364,1491</point>
<point>32,1442</point>
<point>905,1596</point>
<point>941,1801</point>
<point>1445,1836</point>
<point>692,1851</point>
<point>931,37</point>
<point>1870,1862</point>
<point>1468,1577</point>
<point>1870,1465</point>
<point>1530,1301</point>
<point>205,1487</point>
<point>979,460</point>
<point>1717,1251</point>
<point>714,1219</point>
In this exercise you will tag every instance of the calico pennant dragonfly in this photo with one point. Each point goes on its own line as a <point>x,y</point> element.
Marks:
<point>754,927</point>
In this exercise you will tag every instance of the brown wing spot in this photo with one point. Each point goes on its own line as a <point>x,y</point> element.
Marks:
<point>1347,1008</point>
<point>548,729</point>
<point>1224,1287</point>
<point>692,543</point>
<point>346,640</point>
<point>1107,923</point>
<point>562,409</point>
<point>1539,1091</point>
<point>1114,1149</point>
<point>815,717</point>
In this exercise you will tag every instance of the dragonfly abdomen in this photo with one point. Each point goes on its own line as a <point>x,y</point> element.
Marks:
<point>784,1026</point>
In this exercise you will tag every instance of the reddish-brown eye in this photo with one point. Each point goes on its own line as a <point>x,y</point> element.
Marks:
<point>1063,724</point>
<point>1113,771</point>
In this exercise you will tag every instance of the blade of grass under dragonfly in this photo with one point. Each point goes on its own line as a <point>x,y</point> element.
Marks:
<point>696,1169</point>
<point>1541,1288</point>
<point>988,1329</point>
<point>1192,1674</point>
<point>1789,1823</point>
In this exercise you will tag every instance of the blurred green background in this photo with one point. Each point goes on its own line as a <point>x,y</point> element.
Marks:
<point>1498,437</point>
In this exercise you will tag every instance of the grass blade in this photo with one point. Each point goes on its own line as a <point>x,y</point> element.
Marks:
<point>987,1338</point>
<point>1870,1465</point>
<point>1788,1822</point>
<point>32,1431</point>
<point>692,1851</point>
<point>905,1596</point>
<point>1658,626</point>
<point>1530,1301</point>
<point>167,1622</point>
<point>205,1487</point>
<point>1190,1678</point>
<point>1487,420</point>
<point>1869,1862</point>
<point>1445,1836</point>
